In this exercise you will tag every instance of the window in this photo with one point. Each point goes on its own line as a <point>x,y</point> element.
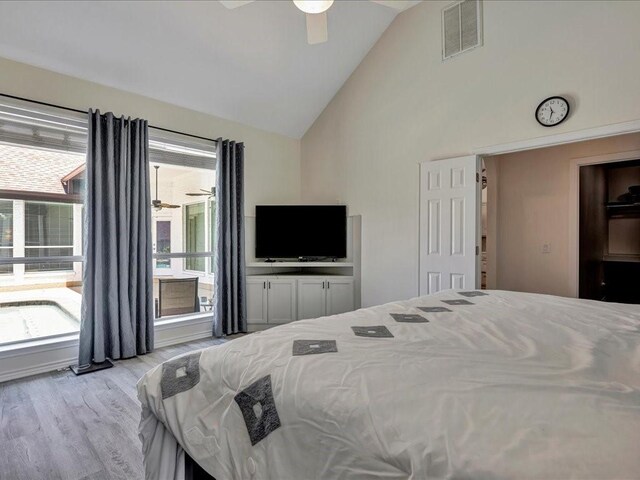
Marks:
<point>42,156</point>
<point>163,242</point>
<point>183,218</point>
<point>212,228</point>
<point>6,234</point>
<point>194,234</point>
<point>48,233</point>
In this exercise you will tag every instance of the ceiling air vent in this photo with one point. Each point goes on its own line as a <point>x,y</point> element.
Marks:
<point>461,27</point>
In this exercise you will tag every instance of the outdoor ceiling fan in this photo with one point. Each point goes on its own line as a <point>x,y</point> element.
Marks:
<point>203,193</point>
<point>316,11</point>
<point>157,204</point>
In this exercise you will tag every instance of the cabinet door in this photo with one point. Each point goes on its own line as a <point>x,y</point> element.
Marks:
<point>281,301</point>
<point>340,298</point>
<point>256,301</point>
<point>311,298</point>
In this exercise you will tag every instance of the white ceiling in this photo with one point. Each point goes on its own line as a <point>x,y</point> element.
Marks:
<point>252,64</point>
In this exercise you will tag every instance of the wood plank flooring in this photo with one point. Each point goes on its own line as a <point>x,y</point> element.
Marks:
<point>59,426</point>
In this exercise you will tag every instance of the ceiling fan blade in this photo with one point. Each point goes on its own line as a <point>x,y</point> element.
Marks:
<point>191,194</point>
<point>317,28</point>
<point>399,5</point>
<point>168,205</point>
<point>231,4</point>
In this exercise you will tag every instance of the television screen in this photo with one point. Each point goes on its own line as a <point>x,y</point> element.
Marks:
<point>292,231</point>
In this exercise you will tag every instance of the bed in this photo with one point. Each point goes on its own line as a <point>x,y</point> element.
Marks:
<point>491,384</point>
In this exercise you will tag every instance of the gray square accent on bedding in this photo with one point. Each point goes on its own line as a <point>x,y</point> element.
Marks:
<point>457,302</point>
<point>434,309</point>
<point>472,294</point>
<point>408,318</point>
<point>310,347</point>
<point>258,409</point>
<point>180,375</point>
<point>376,331</point>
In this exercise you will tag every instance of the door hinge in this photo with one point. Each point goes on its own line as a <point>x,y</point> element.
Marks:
<point>477,250</point>
<point>477,177</point>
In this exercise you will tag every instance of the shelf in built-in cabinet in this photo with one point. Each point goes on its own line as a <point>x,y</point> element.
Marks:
<point>622,258</point>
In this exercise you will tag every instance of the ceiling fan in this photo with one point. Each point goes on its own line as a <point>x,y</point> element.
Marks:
<point>203,193</point>
<point>316,11</point>
<point>157,204</point>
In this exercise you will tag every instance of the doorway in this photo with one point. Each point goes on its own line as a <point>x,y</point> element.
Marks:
<point>609,257</point>
<point>531,238</point>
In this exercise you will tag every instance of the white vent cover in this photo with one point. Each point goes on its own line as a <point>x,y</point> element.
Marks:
<point>461,27</point>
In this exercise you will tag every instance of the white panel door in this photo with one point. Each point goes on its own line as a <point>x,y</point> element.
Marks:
<point>311,298</point>
<point>450,224</point>
<point>256,300</point>
<point>281,300</point>
<point>340,297</point>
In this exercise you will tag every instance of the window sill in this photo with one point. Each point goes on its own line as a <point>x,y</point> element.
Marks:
<point>37,356</point>
<point>170,322</point>
<point>38,345</point>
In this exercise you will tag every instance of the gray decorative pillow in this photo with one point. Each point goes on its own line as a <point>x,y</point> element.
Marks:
<point>457,302</point>
<point>472,294</point>
<point>258,409</point>
<point>310,347</point>
<point>434,309</point>
<point>180,375</point>
<point>409,318</point>
<point>375,331</point>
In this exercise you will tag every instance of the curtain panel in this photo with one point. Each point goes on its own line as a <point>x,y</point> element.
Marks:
<point>230,310</point>
<point>117,302</point>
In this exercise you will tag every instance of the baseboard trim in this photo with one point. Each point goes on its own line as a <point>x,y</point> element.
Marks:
<point>37,369</point>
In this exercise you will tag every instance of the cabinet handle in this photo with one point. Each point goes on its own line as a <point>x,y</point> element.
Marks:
<point>328,285</point>
<point>269,285</point>
<point>264,285</point>
<point>323,285</point>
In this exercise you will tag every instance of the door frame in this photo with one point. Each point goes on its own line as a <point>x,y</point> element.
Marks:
<point>574,206</point>
<point>565,138</point>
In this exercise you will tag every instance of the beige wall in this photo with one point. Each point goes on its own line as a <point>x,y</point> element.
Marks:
<point>404,105</point>
<point>529,206</point>
<point>272,162</point>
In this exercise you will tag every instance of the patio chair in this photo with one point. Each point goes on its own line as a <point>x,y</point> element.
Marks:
<point>178,296</point>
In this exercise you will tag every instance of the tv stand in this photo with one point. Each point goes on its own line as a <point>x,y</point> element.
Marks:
<point>284,290</point>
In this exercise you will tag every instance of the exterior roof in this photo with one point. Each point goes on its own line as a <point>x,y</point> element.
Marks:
<point>32,170</point>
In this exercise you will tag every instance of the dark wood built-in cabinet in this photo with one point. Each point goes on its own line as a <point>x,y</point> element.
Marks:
<point>610,232</point>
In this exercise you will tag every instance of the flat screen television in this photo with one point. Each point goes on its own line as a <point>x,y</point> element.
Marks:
<point>301,231</point>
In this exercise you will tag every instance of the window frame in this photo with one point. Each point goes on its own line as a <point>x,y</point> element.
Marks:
<point>70,131</point>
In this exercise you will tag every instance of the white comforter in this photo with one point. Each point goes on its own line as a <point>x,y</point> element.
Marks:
<point>513,386</point>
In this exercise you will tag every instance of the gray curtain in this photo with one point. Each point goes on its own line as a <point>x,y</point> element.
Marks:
<point>230,311</point>
<point>117,300</point>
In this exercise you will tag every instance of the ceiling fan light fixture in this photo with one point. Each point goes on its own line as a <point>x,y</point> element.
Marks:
<point>313,6</point>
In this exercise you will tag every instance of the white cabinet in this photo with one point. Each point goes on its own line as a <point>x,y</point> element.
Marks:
<point>271,300</point>
<point>256,300</point>
<point>339,295</point>
<point>318,297</point>
<point>281,300</point>
<point>311,298</point>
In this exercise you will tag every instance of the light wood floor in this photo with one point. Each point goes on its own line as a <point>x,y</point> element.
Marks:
<point>59,426</point>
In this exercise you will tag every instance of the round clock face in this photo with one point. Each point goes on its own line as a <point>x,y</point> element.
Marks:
<point>552,111</point>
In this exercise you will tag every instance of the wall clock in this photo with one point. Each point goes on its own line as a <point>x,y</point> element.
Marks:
<point>552,111</point>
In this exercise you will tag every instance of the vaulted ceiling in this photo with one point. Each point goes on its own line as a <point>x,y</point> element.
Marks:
<point>251,65</point>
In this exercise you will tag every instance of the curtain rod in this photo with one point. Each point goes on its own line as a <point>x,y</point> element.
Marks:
<point>86,113</point>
